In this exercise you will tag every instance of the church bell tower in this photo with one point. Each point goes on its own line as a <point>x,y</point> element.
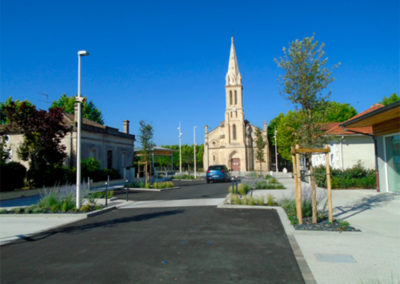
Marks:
<point>234,115</point>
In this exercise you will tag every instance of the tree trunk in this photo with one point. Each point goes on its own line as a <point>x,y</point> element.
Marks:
<point>314,193</point>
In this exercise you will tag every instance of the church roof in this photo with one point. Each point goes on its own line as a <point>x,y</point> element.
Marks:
<point>233,77</point>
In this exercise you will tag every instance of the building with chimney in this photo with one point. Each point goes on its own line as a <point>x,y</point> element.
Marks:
<point>112,148</point>
<point>233,142</point>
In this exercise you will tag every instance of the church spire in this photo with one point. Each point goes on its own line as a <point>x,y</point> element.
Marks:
<point>233,77</point>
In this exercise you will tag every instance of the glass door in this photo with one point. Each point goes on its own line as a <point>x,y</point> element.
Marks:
<point>392,147</point>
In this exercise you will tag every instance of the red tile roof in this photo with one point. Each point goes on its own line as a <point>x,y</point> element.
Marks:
<point>333,128</point>
<point>337,130</point>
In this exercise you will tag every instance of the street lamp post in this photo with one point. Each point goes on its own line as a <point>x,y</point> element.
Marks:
<point>194,151</point>
<point>180,149</point>
<point>79,101</point>
<point>276,152</point>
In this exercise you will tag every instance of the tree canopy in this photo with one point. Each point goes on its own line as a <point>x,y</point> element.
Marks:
<point>389,100</point>
<point>42,146</point>
<point>3,113</point>
<point>89,110</point>
<point>304,82</point>
<point>337,112</point>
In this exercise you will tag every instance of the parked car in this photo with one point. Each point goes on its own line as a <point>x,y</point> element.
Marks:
<point>217,173</point>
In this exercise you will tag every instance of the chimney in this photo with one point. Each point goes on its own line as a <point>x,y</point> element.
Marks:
<point>126,126</point>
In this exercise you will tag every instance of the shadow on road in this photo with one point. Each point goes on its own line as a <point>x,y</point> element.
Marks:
<point>108,223</point>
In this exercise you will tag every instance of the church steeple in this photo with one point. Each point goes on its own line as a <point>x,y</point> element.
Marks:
<point>233,77</point>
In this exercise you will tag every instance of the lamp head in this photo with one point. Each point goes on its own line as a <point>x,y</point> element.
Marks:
<point>83,53</point>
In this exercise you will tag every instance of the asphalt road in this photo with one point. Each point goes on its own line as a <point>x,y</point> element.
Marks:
<point>187,190</point>
<point>158,245</point>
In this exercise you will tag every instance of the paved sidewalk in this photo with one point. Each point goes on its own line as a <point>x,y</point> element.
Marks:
<point>369,256</point>
<point>22,226</point>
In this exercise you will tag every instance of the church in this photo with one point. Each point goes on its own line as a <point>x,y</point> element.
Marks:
<point>233,142</point>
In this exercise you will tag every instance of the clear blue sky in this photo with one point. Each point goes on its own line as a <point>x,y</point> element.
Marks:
<point>165,61</point>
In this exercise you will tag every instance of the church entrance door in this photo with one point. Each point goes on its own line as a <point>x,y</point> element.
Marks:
<point>235,164</point>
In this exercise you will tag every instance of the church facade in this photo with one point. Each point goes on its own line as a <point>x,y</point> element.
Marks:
<point>233,142</point>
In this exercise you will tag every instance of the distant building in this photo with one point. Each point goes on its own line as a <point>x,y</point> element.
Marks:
<point>385,123</point>
<point>349,146</point>
<point>112,148</point>
<point>233,142</point>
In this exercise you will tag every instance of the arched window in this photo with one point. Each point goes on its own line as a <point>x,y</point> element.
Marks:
<point>234,131</point>
<point>235,97</point>
<point>230,97</point>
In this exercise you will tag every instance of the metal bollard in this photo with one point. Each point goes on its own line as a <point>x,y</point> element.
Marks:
<point>126,188</point>
<point>107,183</point>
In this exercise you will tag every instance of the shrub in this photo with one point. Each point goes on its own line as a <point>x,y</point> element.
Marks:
<point>355,177</point>
<point>243,188</point>
<point>12,176</point>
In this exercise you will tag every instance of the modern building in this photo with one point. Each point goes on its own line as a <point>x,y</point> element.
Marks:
<point>233,142</point>
<point>385,123</point>
<point>112,148</point>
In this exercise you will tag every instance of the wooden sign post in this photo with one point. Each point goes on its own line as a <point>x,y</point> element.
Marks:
<point>328,184</point>
<point>296,151</point>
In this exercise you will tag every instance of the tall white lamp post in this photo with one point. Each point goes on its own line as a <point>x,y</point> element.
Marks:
<point>276,152</point>
<point>194,150</point>
<point>79,101</point>
<point>180,148</point>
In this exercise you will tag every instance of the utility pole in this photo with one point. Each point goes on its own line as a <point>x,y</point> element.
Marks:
<point>276,152</point>
<point>180,148</point>
<point>194,150</point>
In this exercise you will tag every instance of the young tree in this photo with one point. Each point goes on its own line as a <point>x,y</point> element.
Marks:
<point>389,100</point>
<point>146,140</point>
<point>89,110</point>
<point>42,146</point>
<point>304,83</point>
<point>260,145</point>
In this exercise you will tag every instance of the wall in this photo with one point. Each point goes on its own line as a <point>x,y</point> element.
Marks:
<point>97,144</point>
<point>346,152</point>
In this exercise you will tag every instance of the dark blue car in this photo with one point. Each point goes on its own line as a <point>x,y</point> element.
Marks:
<point>217,173</point>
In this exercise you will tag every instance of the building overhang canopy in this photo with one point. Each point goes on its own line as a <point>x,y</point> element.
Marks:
<point>378,116</point>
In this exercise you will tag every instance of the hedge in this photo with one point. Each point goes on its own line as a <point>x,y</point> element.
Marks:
<point>355,177</point>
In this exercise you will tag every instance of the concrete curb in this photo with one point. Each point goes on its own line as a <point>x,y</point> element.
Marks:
<point>289,230</point>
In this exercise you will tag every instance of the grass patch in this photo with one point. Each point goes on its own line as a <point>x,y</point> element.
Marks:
<point>268,185</point>
<point>156,185</point>
<point>102,194</point>
<point>237,199</point>
<point>183,176</point>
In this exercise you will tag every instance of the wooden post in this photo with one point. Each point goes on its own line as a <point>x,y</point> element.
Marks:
<point>328,183</point>
<point>298,188</point>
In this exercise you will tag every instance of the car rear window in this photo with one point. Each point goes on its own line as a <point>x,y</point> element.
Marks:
<point>216,168</point>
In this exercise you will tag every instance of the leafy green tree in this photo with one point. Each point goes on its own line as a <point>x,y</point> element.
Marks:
<point>337,112</point>
<point>89,110</point>
<point>260,145</point>
<point>389,100</point>
<point>304,83</point>
<point>3,113</point>
<point>42,146</point>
